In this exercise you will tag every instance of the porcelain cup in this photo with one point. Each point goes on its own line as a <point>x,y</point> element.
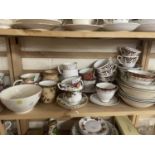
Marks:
<point>51,74</point>
<point>70,73</point>
<point>82,21</point>
<point>48,91</point>
<point>67,66</point>
<point>29,78</point>
<point>87,74</point>
<point>127,61</point>
<point>128,51</point>
<point>73,98</point>
<point>120,20</point>
<point>105,91</point>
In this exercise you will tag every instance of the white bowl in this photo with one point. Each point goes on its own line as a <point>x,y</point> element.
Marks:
<point>21,98</point>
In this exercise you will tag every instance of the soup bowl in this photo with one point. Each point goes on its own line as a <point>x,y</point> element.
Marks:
<point>21,98</point>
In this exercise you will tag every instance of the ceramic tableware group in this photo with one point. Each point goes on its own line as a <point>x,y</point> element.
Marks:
<point>105,70</point>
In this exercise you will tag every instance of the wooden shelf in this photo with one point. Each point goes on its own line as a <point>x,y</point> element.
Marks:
<point>42,111</point>
<point>76,34</point>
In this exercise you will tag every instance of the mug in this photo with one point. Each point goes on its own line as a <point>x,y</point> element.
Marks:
<point>87,74</point>
<point>51,74</point>
<point>48,91</point>
<point>29,78</point>
<point>127,61</point>
<point>83,21</point>
<point>70,73</point>
<point>73,98</point>
<point>67,66</point>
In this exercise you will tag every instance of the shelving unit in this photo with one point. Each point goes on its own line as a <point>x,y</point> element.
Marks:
<point>42,111</point>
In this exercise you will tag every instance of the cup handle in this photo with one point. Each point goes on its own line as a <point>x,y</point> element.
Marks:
<point>7,125</point>
<point>17,81</point>
<point>59,86</point>
<point>59,70</point>
<point>115,67</point>
<point>119,57</point>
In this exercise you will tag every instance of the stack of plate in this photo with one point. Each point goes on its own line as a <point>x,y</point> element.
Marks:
<point>93,126</point>
<point>135,94</point>
<point>37,24</point>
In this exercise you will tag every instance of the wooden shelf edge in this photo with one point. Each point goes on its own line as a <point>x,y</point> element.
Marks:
<point>76,34</point>
<point>42,111</point>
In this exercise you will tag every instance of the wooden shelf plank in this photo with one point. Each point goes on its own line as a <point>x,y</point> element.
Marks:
<point>42,111</point>
<point>76,34</point>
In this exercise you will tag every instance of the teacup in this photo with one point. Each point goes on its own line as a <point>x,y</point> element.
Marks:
<point>83,21</point>
<point>29,78</point>
<point>73,98</point>
<point>128,51</point>
<point>106,73</point>
<point>106,91</point>
<point>48,91</point>
<point>70,73</point>
<point>67,66</point>
<point>127,61</point>
<point>87,73</point>
<point>120,20</point>
<point>71,84</point>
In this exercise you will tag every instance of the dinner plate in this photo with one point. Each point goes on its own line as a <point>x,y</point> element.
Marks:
<point>149,27</point>
<point>40,25</point>
<point>120,26</point>
<point>74,27</point>
<point>94,99</point>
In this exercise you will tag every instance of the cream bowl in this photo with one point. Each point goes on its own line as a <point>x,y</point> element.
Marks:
<point>21,98</point>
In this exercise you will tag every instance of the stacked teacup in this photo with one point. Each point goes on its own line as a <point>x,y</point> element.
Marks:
<point>105,70</point>
<point>128,56</point>
<point>89,79</point>
<point>68,70</point>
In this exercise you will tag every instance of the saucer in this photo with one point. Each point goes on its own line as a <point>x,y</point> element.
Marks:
<point>80,27</point>
<point>94,99</point>
<point>113,130</point>
<point>120,26</point>
<point>63,103</point>
<point>92,126</point>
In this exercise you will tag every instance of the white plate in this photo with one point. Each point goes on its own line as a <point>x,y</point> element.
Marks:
<point>63,103</point>
<point>113,130</point>
<point>146,27</point>
<point>74,27</point>
<point>94,99</point>
<point>93,126</point>
<point>36,24</point>
<point>120,26</point>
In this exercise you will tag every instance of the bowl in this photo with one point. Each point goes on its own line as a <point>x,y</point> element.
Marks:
<point>137,93</point>
<point>141,76</point>
<point>21,98</point>
<point>135,103</point>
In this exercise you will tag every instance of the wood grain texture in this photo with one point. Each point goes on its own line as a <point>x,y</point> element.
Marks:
<point>125,126</point>
<point>42,111</point>
<point>76,34</point>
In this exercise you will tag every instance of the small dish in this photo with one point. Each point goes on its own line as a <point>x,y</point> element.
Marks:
<point>80,27</point>
<point>94,99</point>
<point>92,126</point>
<point>120,26</point>
<point>63,103</point>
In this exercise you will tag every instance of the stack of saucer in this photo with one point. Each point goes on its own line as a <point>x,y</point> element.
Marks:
<point>93,126</point>
<point>72,97</point>
<point>105,70</point>
<point>105,95</point>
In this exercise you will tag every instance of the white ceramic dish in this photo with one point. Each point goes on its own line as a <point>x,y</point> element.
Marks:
<point>149,27</point>
<point>113,130</point>
<point>80,27</point>
<point>120,26</point>
<point>135,103</point>
<point>94,99</point>
<point>140,76</point>
<point>6,23</point>
<point>21,98</point>
<point>63,103</point>
<point>93,126</point>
